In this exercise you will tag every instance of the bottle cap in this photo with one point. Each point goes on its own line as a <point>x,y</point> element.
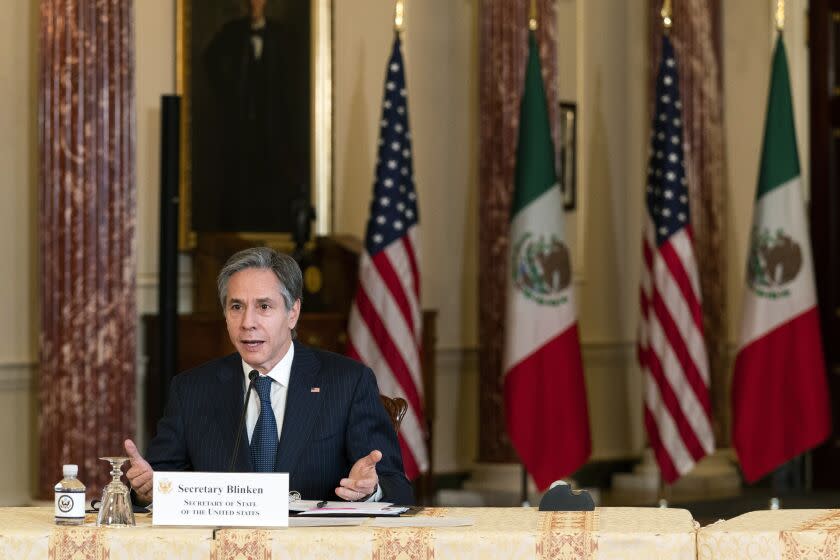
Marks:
<point>70,470</point>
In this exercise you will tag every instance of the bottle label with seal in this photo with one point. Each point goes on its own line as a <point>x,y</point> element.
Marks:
<point>70,504</point>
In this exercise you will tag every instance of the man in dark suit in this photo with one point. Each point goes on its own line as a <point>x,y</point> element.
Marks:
<point>314,414</point>
<point>258,78</point>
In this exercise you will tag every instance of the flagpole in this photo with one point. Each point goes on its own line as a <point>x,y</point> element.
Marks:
<point>666,12</point>
<point>523,489</point>
<point>780,15</point>
<point>667,22</point>
<point>532,16</point>
<point>788,476</point>
<point>399,16</point>
<point>784,478</point>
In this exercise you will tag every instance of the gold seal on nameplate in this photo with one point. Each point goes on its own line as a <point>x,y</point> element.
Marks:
<point>313,279</point>
<point>165,486</point>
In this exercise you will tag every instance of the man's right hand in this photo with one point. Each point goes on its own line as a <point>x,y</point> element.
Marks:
<point>140,474</point>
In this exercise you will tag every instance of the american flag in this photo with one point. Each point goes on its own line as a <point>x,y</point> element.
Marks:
<point>385,320</point>
<point>672,352</point>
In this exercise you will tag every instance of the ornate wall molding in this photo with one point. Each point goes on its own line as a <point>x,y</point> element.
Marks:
<point>614,389</point>
<point>18,383</point>
<point>17,375</point>
<point>147,292</point>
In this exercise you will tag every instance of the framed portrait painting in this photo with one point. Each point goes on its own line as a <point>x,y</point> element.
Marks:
<point>567,154</point>
<point>256,86</point>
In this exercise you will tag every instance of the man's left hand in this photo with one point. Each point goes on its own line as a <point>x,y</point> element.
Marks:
<point>362,480</point>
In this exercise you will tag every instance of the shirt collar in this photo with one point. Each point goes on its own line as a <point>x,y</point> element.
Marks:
<point>280,372</point>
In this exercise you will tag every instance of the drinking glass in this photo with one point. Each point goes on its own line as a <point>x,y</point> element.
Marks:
<point>115,509</point>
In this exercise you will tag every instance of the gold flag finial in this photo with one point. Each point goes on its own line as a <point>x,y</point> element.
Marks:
<point>532,16</point>
<point>667,22</point>
<point>780,14</point>
<point>399,15</point>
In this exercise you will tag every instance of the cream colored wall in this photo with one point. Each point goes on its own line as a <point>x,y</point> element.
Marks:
<point>612,74</point>
<point>442,89</point>
<point>439,51</point>
<point>747,60</point>
<point>18,247</point>
<point>155,75</point>
<point>608,59</point>
<point>18,137</point>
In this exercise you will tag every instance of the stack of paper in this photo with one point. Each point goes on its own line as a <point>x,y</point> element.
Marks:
<point>313,507</point>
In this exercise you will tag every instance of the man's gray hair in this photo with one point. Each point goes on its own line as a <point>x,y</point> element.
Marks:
<point>283,266</point>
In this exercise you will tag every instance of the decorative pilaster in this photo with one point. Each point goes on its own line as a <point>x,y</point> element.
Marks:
<point>87,215</point>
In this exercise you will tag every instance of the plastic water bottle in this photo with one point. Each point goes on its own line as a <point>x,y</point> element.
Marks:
<point>70,498</point>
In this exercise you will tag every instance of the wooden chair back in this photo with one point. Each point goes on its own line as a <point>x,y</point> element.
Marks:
<point>396,408</point>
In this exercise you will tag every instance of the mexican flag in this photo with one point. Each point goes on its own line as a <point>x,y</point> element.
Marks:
<point>779,389</point>
<point>545,396</point>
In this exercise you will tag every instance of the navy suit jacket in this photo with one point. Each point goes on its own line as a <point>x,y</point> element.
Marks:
<point>324,432</point>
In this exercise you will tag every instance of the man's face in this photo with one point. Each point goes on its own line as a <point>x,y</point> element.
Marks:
<point>258,324</point>
<point>257,9</point>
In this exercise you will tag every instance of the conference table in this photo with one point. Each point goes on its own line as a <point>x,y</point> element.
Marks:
<point>30,532</point>
<point>784,534</point>
<point>437,533</point>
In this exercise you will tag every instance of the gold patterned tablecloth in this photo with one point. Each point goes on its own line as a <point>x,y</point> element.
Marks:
<point>787,534</point>
<point>614,533</point>
<point>30,532</point>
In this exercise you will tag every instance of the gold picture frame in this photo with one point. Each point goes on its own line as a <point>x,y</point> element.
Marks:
<point>318,169</point>
<point>567,154</point>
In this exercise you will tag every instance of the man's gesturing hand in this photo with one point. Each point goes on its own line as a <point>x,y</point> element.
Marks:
<point>140,474</point>
<point>362,480</point>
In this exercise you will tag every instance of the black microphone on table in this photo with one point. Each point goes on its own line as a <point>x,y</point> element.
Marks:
<point>253,377</point>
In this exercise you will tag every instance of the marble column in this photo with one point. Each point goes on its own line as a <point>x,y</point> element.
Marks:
<point>87,218</point>
<point>503,50</point>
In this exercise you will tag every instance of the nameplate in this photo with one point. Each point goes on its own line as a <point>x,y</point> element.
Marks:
<point>221,499</point>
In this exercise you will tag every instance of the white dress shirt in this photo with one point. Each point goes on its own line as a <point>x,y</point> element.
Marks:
<point>279,375</point>
<point>256,40</point>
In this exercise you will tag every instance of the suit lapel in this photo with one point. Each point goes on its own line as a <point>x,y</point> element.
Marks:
<point>302,408</point>
<point>269,49</point>
<point>232,400</point>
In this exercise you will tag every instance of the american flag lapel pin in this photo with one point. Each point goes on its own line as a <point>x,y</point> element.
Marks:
<point>315,390</point>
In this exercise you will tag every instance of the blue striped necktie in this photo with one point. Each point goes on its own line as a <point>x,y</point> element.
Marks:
<point>264,441</point>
